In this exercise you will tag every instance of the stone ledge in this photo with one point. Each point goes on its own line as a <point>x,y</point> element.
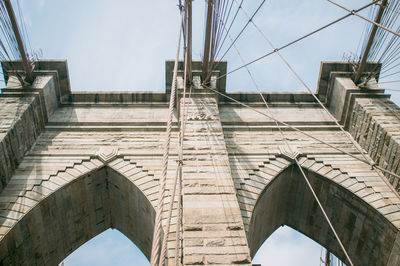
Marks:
<point>44,67</point>
<point>328,67</point>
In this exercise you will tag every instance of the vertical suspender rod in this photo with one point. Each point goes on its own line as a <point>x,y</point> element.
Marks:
<point>25,62</point>
<point>361,66</point>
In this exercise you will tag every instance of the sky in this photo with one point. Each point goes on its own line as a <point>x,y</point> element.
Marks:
<point>122,46</point>
<point>284,247</point>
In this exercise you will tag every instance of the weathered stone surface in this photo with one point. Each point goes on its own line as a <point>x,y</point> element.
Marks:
<point>95,164</point>
<point>24,113</point>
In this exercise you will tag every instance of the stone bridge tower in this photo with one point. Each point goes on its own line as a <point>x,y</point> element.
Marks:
<point>73,164</point>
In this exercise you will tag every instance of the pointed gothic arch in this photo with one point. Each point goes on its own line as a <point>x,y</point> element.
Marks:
<point>78,211</point>
<point>369,237</point>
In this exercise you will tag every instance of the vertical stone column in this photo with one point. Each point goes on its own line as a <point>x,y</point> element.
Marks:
<point>24,111</point>
<point>367,113</point>
<point>375,125</point>
<point>213,231</point>
<point>23,115</point>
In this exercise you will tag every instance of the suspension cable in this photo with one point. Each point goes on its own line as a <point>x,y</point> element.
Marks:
<point>180,161</point>
<point>187,62</point>
<point>165,164</point>
<point>169,216</point>
<point>158,220</point>
<point>176,185</point>
<point>297,162</point>
<point>178,234</point>
<point>178,177</point>
<point>298,39</point>
<point>229,28</point>
<point>364,18</point>
<point>323,211</point>
<point>303,132</point>
<point>392,81</point>
<point>304,83</point>
<point>347,134</point>
<point>236,38</point>
<point>250,19</point>
<point>180,154</point>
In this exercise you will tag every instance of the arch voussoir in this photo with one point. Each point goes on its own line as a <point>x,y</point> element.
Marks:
<point>360,179</point>
<point>363,208</point>
<point>144,179</point>
<point>47,214</point>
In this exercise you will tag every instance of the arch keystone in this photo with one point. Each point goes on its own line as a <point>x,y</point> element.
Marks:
<point>107,154</point>
<point>289,152</point>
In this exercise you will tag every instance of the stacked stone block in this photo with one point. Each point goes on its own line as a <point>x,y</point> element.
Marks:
<point>93,162</point>
<point>213,230</point>
<point>375,125</point>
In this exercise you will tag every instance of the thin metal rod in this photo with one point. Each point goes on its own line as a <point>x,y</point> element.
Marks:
<point>25,63</point>
<point>323,212</point>
<point>361,67</point>
<point>364,18</point>
<point>297,40</point>
<point>207,40</point>
<point>189,39</point>
<point>285,139</point>
<point>304,133</point>
<point>178,233</point>
<point>392,81</point>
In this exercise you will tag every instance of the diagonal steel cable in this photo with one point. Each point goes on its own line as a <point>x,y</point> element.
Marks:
<point>364,18</point>
<point>236,38</point>
<point>297,162</point>
<point>303,132</point>
<point>298,39</point>
<point>347,134</point>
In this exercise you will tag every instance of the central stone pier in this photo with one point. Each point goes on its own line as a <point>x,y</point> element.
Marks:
<point>213,229</point>
<point>73,164</point>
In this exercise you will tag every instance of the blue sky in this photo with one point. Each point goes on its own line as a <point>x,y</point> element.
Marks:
<point>108,248</point>
<point>122,45</point>
<point>284,247</point>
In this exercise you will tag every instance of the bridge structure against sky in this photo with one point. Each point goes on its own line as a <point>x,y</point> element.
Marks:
<point>77,163</point>
<point>196,175</point>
